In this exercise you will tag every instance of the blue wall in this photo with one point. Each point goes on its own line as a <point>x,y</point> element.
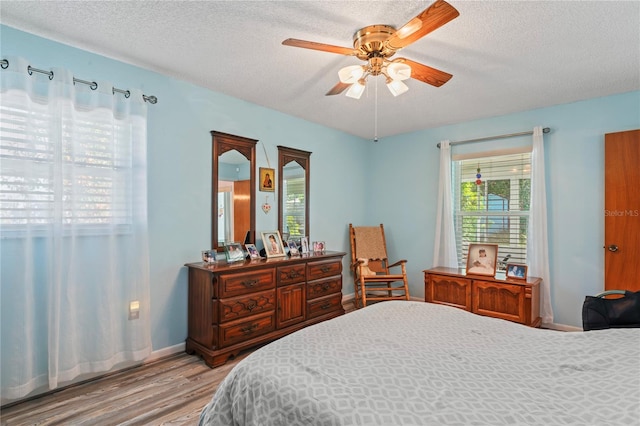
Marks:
<point>179,168</point>
<point>574,156</point>
<point>352,180</point>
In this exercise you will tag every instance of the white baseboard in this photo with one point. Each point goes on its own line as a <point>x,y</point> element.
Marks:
<point>164,352</point>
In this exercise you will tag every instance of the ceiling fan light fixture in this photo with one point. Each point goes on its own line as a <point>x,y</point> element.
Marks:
<point>396,87</point>
<point>351,74</point>
<point>399,71</point>
<point>356,90</point>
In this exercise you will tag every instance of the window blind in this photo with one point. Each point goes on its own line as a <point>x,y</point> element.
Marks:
<point>294,193</point>
<point>84,180</point>
<point>493,208</point>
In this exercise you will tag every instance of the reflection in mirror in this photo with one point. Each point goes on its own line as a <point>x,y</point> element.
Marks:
<point>293,192</point>
<point>233,190</point>
<point>234,194</point>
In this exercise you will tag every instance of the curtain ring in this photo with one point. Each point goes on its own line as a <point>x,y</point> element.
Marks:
<point>93,85</point>
<point>30,70</point>
<point>4,64</point>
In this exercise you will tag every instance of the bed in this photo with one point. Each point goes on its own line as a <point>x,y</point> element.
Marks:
<point>414,363</point>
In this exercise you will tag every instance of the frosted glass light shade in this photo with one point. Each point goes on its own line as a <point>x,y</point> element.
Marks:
<point>350,74</point>
<point>399,71</point>
<point>355,91</point>
<point>397,87</point>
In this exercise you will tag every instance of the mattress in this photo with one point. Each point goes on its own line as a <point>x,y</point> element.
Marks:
<point>414,363</point>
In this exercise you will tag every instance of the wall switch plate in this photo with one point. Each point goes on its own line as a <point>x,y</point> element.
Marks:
<point>134,309</point>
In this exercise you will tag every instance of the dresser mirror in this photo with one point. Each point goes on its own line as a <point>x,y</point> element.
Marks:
<point>233,197</point>
<point>293,192</point>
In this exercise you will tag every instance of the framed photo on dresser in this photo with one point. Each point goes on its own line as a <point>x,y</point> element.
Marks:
<point>273,244</point>
<point>481,259</point>
<point>516,271</point>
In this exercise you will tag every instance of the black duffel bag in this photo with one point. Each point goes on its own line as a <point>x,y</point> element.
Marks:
<point>599,313</point>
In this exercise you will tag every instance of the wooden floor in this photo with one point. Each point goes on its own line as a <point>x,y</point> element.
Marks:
<point>172,391</point>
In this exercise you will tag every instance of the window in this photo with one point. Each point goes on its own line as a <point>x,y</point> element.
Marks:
<point>294,205</point>
<point>494,208</point>
<point>75,169</point>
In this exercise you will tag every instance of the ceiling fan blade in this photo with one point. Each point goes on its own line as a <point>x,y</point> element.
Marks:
<point>349,51</point>
<point>338,88</point>
<point>426,74</point>
<point>432,18</point>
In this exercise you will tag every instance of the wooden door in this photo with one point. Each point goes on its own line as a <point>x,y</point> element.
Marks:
<point>622,211</point>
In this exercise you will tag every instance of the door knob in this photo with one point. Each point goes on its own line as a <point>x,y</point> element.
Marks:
<point>613,248</point>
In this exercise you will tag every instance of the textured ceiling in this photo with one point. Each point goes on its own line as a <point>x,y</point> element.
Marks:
<point>505,56</point>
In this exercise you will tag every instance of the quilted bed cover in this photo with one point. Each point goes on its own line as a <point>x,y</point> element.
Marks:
<point>415,363</point>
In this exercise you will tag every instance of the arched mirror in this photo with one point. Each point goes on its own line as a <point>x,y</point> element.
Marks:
<point>233,198</point>
<point>293,192</point>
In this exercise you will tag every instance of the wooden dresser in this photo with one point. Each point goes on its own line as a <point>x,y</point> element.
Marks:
<point>509,299</point>
<point>234,306</point>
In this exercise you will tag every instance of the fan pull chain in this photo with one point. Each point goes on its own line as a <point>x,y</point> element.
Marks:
<point>375,115</point>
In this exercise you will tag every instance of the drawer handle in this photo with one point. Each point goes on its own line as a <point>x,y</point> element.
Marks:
<point>325,286</point>
<point>325,306</point>
<point>251,306</point>
<point>325,268</point>
<point>249,329</point>
<point>294,274</point>
<point>249,283</point>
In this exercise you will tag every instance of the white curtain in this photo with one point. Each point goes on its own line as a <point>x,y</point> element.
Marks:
<point>73,222</point>
<point>444,249</point>
<point>537,240</point>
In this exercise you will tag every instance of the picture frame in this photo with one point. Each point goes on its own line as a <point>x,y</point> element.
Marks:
<point>304,243</point>
<point>318,246</point>
<point>481,259</point>
<point>273,244</point>
<point>233,252</point>
<point>253,251</point>
<point>209,256</point>
<point>516,271</point>
<point>267,179</point>
<point>293,248</point>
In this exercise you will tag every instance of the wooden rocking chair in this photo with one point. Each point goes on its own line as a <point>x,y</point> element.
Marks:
<point>370,265</point>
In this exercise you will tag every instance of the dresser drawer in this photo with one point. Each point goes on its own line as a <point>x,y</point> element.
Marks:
<point>244,306</point>
<point>322,269</point>
<point>324,305</point>
<point>324,287</point>
<point>291,274</point>
<point>246,282</point>
<point>239,331</point>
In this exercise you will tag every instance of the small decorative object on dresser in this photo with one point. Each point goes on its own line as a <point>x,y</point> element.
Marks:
<point>318,246</point>
<point>253,251</point>
<point>304,243</point>
<point>481,259</point>
<point>516,271</point>
<point>293,248</point>
<point>233,252</point>
<point>273,244</point>
<point>208,256</point>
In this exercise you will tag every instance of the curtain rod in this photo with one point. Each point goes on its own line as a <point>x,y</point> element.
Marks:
<point>4,64</point>
<point>510,135</point>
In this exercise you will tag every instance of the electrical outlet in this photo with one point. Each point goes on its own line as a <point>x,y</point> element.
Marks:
<point>134,309</point>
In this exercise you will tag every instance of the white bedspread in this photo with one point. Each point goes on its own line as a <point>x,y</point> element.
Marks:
<point>413,363</point>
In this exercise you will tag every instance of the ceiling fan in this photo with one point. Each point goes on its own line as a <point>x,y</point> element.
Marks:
<point>375,44</point>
